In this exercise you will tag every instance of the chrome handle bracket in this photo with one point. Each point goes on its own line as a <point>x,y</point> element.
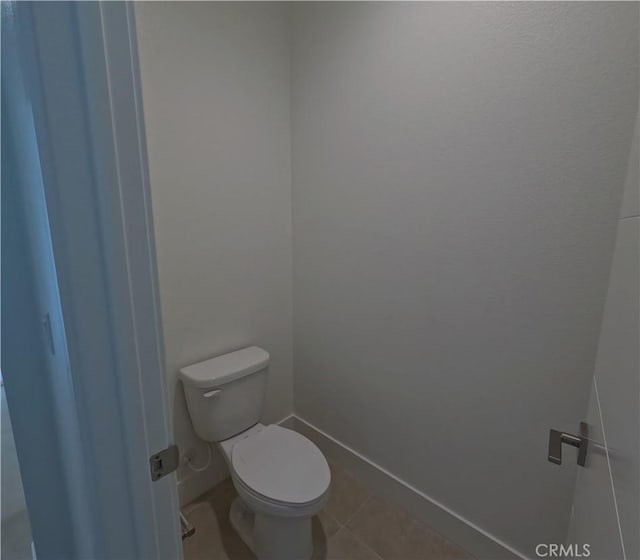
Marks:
<point>557,438</point>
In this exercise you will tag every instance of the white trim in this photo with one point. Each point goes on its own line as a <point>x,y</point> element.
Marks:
<point>287,422</point>
<point>111,76</point>
<point>453,526</point>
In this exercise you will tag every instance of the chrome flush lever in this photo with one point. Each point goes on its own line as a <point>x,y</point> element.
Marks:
<point>556,439</point>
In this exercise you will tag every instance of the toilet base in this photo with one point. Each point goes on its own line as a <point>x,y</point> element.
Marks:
<point>242,519</point>
<point>272,538</point>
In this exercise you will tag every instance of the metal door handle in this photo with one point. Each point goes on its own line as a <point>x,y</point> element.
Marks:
<point>556,439</point>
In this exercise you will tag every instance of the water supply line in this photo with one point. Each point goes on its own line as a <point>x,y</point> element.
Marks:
<point>189,461</point>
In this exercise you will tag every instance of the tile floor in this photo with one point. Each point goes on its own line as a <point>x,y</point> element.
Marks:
<point>354,525</point>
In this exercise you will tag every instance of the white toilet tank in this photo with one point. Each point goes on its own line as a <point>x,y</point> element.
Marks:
<point>225,394</point>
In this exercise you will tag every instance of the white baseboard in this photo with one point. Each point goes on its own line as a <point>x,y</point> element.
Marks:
<point>288,422</point>
<point>456,528</point>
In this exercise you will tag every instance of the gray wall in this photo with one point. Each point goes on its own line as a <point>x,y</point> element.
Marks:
<point>457,173</point>
<point>215,81</point>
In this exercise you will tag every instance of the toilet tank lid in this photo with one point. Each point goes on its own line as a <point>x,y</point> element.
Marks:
<point>225,368</point>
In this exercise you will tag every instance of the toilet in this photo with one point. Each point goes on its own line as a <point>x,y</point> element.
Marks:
<point>281,477</point>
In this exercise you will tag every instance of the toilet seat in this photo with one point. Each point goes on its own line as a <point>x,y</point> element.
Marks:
<point>280,468</point>
<point>262,504</point>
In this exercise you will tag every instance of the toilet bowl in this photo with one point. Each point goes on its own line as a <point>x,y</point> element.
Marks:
<point>281,477</point>
<point>282,480</point>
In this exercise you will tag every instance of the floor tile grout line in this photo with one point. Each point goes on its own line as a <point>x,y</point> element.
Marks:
<point>345,529</point>
<point>340,524</point>
<point>363,543</point>
<point>340,529</point>
<point>358,509</point>
<point>418,523</point>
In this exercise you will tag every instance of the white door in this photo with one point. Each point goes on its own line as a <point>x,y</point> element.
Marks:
<point>35,362</point>
<point>81,94</point>
<point>606,497</point>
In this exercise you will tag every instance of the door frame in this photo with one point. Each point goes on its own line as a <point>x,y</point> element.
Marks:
<point>82,76</point>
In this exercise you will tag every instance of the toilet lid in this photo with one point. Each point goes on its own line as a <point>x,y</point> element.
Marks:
<point>282,465</point>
